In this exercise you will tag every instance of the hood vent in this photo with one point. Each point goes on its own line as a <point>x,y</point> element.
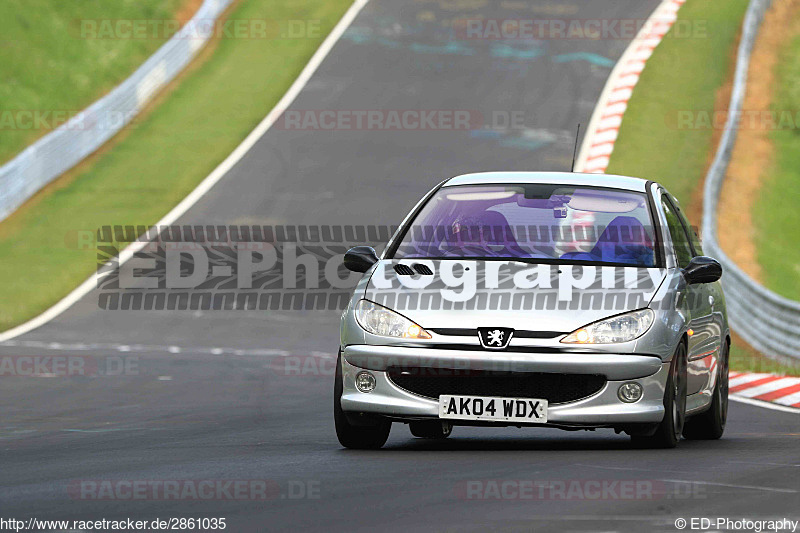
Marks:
<point>403,270</point>
<point>423,270</point>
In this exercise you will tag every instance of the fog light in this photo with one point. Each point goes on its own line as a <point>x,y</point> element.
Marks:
<point>365,382</point>
<point>630,392</point>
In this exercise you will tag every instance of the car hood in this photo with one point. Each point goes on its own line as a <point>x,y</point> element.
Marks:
<point>523,296</point>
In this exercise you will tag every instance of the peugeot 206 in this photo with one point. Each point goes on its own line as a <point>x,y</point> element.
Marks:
<point>564,300</point>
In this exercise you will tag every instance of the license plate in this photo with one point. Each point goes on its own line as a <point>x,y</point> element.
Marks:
<point>528,410</point>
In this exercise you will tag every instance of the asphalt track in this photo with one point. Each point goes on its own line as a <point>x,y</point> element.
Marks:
<point>210,397</point>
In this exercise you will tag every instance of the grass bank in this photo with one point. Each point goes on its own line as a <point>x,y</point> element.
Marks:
<point>52,63</point>
<point>665,134</point>
<point>776,216</point>
<point>662,136</point>
<point>149,168</point>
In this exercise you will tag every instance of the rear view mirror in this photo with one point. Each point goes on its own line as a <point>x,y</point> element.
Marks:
<point>360,258</point>
<point>702,269</point>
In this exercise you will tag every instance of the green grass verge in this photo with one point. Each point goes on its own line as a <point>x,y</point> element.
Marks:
<point>683,76</point>
<point>775,213</point>
<point>745,359</point>
<point>48,64</point>
<point>158,162</point>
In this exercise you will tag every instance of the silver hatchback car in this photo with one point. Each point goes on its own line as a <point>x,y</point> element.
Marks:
<point>566,300</point>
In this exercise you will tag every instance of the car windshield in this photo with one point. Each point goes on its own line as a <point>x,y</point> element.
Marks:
<point>540,222</point>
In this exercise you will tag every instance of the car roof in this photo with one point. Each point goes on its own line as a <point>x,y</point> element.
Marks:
<point>567,178</point>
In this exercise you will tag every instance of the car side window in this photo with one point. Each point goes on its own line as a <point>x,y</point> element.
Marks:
<point>680,240</point>
<point>698,249</point>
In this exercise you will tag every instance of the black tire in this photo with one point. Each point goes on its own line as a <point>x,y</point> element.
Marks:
<point>431,429</point>
<point>357,437</point>
<point>710,425</point>
<point>669,430</point>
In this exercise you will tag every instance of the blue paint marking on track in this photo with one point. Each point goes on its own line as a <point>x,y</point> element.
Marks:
<point>506,141</point>
<point>525,144</point>
<point>594,59</point>
<point>485,134</point>
<point>452,48</point>
<point>107,430</point>
<point>388,42</point>
<point>510,52</point>
<point>360,36</point>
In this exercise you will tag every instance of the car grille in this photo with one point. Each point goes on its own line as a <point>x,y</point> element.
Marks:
<point>555,388</point>
<point>519,333</point>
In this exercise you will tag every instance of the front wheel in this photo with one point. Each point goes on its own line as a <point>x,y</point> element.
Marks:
<point>668,432</point>
<point>358,437</point>
<point>710,425</point>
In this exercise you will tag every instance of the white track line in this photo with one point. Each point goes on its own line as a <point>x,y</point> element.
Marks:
<point>730,485</point>
<point>792,399</point>
<point>765,405</point>
<point>781,390</point>
<point>772,386</point>
<point>601,134</point>
<point>210,180</point>
<point>134,349</point>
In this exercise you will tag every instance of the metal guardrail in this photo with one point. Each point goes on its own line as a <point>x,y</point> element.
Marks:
<point>58,151</point>
<point>768,321</point>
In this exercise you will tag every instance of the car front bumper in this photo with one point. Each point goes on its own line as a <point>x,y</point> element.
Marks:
<point>603,408</point>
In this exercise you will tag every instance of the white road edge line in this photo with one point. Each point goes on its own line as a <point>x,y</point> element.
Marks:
<point>731,485</point>
<point>210,180</point>
<point>765,405</point>
<point>775,385</point>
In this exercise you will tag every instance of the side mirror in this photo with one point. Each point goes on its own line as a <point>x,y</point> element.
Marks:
<point>702,269</point>
<point>360,258</point>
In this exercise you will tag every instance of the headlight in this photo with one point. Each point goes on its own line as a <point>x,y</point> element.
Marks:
<point>620,328</point>
<point>379,320</point>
